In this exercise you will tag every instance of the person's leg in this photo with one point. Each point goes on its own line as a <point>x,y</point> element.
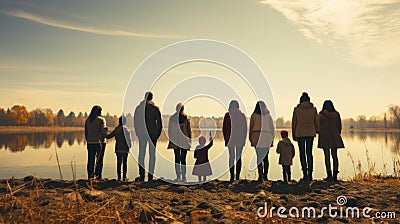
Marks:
<point>142,155</point>
<point>183,163</point>
<point>152,153</point>
<point>204,178</point>
<point>238,156</point>
<point>177,164</point>
<point>119,163</point>
<point>125,166</point>
<point>99,162</point>
<point>335,164</point>
<point>266,164</point>
<point>289,173</point>
<point>260,158</point>
<point>310,160</point>
<point>231,151</point>
<point>92,149</point>
<point>199,177</point>
<point>328,164</point>
<point>284,173</point>
<point>302,151</point>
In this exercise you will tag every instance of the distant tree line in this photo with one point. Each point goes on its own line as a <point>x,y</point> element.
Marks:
<point>18,115</point>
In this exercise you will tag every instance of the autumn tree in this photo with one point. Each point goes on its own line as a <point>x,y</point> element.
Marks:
<point>60,118</point>
<point>20,114</point>
<point>394,111</point>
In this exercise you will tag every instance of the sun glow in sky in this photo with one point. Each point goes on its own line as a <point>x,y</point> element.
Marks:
<point>73,54</point>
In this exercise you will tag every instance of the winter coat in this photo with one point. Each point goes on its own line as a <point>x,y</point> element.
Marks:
<point>261,135</point>
<point>95,130</point>
<point>147,120</point>
<point>234,128</point>
<point>179,132</point>
<point>286,150</point>
<point>331,127</point>
<point>305,121</point>
<point>122,138</point>
<point>202,165</point>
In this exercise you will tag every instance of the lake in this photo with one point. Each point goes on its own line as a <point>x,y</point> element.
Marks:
<point>34,154</point>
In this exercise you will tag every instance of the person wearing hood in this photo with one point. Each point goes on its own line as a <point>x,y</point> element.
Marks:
<point>234,129</point>
<point>180,135</point>
<point>148,127</point>
<point>286,152</point>
<point>261,135</point>
<point>305,126</point>
<point>329,138</point>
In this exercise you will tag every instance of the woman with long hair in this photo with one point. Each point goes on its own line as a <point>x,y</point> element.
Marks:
<point>261,135</point>
<point>95,132</point>
<point>179,134</point>
<point>329,138</point>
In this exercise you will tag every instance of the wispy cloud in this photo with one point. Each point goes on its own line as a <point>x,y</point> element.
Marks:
<point>83,28</point>
<point>365,32</point>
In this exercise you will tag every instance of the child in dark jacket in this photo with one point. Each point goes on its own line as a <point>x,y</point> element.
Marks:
<point>202,167</point>
<point>286,150</point>
<point>122,146</point>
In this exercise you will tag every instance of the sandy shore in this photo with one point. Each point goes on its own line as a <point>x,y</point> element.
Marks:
<point>52,201</point>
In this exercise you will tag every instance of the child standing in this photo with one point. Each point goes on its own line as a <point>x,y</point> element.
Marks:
<point>286,150</point>
<point>202,167</point>
<point>122,145</point>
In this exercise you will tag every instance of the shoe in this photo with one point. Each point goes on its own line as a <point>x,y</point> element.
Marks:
<point>150,177</point>
<point>139,179</point>
<point>335,173</point>
<point>238,176</point>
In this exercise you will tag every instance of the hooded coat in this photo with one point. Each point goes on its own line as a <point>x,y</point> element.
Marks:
<point>261,131</point>
<point>179,132</point>
<point>305,121</point>
<point>147,120</point>
<point>331,128</point>
<point>286,150</point>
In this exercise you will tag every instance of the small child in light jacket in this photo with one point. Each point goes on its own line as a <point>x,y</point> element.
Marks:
<point>286,150</point>
<point>122,146</point>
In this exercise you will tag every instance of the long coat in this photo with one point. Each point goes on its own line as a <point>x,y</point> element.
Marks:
<point>305,121</point>
<point>179,133</point>
<point>286,150</point>
<point>261,131</point>
<point>234,128</point>
<point>147,120</point>
<point>331,128</point>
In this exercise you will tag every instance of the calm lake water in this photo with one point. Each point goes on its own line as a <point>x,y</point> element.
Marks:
<point>34,154</point>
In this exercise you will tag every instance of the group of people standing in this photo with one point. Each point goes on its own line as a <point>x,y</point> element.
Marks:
<point>306,123</point>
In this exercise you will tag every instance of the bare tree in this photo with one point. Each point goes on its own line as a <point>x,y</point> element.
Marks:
<point>394,110</point>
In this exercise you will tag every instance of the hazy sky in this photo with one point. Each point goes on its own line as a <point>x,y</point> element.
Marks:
<point>73,54</point>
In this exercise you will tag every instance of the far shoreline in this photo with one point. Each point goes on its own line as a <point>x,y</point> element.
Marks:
<point>37,129</point>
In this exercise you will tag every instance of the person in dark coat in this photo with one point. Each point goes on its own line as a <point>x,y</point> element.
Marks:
<point>148,127</point>
<point>234,129</point>
<point>286,152</point>
<point>202,167</point>
<point>329,138</point>
<point>305,126</point>
<point>179,134</point>
<point>122,146</point>
<point>95,132</point>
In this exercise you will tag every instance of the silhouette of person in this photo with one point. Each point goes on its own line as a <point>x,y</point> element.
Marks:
<point>329,138</point>
<point>148,126</point>
<point>261,135</point>
<point>286,152</point>
<point>305,126</point>
<point>179,134</point>
<point>234,130</point>
<point>202,167</point>
<point>122,145</point>
<point>95,132</point>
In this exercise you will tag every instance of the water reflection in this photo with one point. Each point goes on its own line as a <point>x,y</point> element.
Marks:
<point>386,138</point>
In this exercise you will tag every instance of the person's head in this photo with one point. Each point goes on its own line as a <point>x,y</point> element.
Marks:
<point>95,112</point>
<point>148,96</point>
<point>202,140</point>
<point>328,106</point>
<point>261,108</point>
<point>304,97</point>
<point>234,105</point>
<point>122,120</point>
<point>179,108</point>
<point>284,134</point>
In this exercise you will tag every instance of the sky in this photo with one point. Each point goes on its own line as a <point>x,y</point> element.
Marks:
<point>75,54</point>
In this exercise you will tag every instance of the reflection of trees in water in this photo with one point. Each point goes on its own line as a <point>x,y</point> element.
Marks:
<point>18,142</point>
<point>394,139</point>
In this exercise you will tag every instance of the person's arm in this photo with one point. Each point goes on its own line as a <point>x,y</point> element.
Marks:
<point>86,130</point>
<point>293,151</point>
<point>226,126</point>
<point>251,125</point>
<point>278,148</point>
<point>128,138</point>
<point>272,129</point>
<point>189,130</point>
<point>104,128</point>
<point>159,123</point>
<point>294,124</point>
<point>112,134</point>
<point>339,124</point>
